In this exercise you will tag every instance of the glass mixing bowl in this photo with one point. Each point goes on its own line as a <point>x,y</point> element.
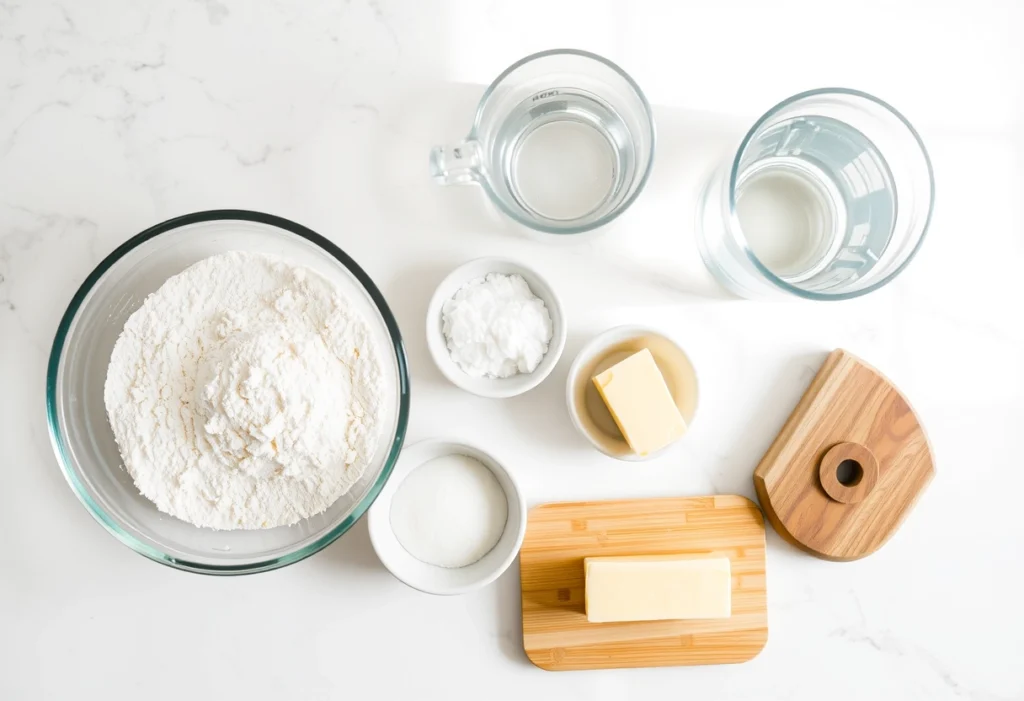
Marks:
<point>77,417</point>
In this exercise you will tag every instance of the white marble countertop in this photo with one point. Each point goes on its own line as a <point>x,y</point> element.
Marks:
<point>115,115</point>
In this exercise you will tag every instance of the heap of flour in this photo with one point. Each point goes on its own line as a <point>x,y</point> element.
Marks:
<point>245,393</point>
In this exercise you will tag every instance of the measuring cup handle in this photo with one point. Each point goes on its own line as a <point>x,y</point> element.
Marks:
<point>454,165</point>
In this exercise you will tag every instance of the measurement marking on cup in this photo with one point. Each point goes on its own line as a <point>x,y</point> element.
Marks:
<point>541,96</point>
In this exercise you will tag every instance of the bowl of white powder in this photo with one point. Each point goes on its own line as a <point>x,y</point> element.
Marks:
<point>495,327</point>
<point>227,392</point>
<point>451,519</point>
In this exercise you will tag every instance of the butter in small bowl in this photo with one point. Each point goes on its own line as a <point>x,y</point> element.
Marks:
<point>590,413</point>
<point>635,392</point>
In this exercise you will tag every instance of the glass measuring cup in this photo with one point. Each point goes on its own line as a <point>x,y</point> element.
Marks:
<point>829,196</point>
<point>562,142</point>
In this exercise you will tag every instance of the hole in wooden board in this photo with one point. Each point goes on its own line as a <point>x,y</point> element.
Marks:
<point>849,473</point>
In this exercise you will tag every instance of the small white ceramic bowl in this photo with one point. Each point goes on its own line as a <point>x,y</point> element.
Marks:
<point>486,386</point>
<point>432,579</point>
<point>597,426</point>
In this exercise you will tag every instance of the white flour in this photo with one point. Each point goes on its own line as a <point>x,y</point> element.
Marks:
<point>245,393</point>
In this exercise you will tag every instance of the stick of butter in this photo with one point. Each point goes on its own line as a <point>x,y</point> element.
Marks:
<point>657,587</point>
<point>638,398</point>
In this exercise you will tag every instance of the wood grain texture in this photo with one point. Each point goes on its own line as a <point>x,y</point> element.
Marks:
<point>848,402</point>
<point>556,633</point>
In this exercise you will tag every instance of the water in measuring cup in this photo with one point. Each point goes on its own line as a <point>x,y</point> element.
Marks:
<point>815,202</point>
<point>564,170</point>
<point>565,156</point>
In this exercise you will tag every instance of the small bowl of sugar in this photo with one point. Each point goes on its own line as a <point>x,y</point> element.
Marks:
<point>495,327</point>
<point>450,519</point>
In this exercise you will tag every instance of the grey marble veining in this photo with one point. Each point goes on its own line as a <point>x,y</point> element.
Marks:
<point>116,115</point>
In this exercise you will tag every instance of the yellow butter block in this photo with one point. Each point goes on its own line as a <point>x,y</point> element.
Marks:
<point>638,398</point>
<point>657,587</point>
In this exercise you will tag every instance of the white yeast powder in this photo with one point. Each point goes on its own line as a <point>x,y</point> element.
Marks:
<point>495,326</point>
<point>245,393</point>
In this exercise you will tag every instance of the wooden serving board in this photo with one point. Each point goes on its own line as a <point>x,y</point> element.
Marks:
<point>556,633</point>
<point>848,465</point>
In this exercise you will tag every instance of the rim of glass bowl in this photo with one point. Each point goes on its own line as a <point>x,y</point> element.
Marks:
<point>57,352</point>
<point>628,202</point>
<point>734,176</point>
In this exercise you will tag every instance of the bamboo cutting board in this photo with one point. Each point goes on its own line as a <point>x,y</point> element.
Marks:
<point>556,633</point>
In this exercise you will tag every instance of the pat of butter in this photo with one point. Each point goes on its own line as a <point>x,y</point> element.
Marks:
<point>657,587</point>
<point>638,398</point>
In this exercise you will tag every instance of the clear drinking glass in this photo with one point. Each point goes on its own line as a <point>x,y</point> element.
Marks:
<point>562,142</point>
<point>828,197</point>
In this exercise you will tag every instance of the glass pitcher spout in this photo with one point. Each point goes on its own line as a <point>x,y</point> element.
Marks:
<point>453,165</point>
